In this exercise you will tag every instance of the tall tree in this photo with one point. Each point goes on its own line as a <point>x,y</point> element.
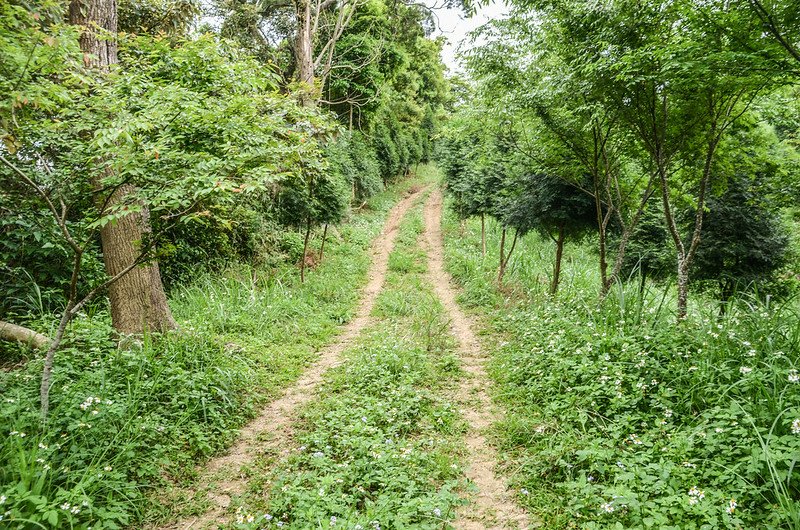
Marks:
<point>138,301</point>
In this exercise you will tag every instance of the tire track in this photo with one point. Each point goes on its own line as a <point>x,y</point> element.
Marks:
<point>493,506</point>
<point>275,420</point>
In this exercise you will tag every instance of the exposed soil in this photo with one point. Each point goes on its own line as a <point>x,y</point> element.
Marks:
<point>223,478</point>
<point>492,507</point>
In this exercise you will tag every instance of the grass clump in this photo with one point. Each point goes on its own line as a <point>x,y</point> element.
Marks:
<point>618,418</point>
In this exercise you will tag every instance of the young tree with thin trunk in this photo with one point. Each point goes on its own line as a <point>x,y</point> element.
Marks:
<point>680,106</point>
<point>547,204</point>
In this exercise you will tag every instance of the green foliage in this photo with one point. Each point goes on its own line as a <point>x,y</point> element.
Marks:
<point>36,263</point>
<point>547,203</point>
<point>616,418</point>
<point>745,243</point>
<point>154,17</point>
<point>118,419</point>
<point>167,402</point>
<point>200,131</point>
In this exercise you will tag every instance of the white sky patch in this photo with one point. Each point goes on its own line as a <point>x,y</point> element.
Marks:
<point>456,28</point>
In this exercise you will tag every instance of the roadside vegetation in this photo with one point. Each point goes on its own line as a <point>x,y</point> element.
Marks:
<point>185,215</point>
<point>618,418</point>
<point>126,419</point>
<point>624,188</point>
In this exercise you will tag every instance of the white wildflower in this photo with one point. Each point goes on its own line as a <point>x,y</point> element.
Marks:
<point>696,495</point>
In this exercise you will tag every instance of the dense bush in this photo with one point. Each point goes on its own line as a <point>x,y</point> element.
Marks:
<point>35,262</point>
<point>356,163</point>
<point>744,242</point>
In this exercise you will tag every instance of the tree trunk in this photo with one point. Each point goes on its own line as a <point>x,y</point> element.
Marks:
<point>99,51</point>
<point>557,265</point>
<point>500,271</point>
<point>12,332</point>
<point>601,224</point>
<point>138,301</point>
<point>305,252</point>
<point>322,246</point>
<point>504,259</point>
<point>683,288</point>
<point>44,387</point>
<point>483,235</point>
<point>304,53</point>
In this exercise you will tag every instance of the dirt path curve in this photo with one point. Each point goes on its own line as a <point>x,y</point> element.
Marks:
<point>275,420</point>
<point>492,507</point>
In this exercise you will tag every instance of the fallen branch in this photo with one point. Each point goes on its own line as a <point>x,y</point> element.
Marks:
<point>12,332</point>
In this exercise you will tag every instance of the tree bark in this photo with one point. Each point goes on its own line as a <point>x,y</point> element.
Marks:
<point>322,246</point>
<point>305,252</point>
<point>627,230</point>
<point>304,53</point>
<point>505,258</point>
<point>13,332</point>
<point>683,288</point>
<point>602,220</point>
<point>501,271</point>
<point>138,301</point>
<point>557,264</point>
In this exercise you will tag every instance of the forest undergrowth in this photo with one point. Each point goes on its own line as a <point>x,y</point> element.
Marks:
<point>616,417</point>
<point>126,420</point>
